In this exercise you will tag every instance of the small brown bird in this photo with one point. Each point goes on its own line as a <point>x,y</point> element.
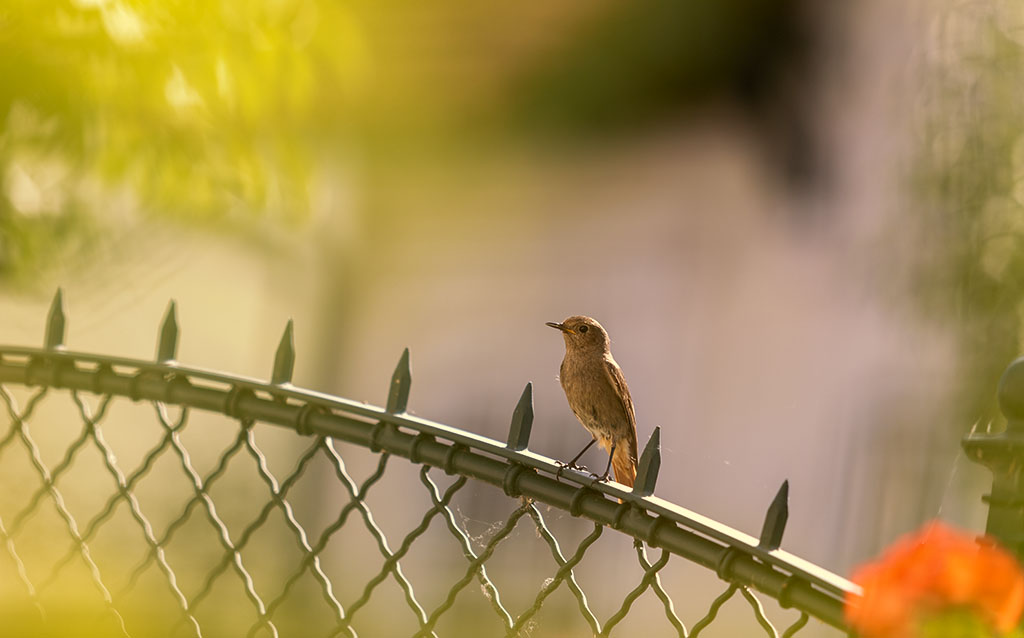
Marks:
<point>598,395</point>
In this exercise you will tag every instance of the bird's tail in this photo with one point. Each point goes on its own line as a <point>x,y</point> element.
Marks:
<point>624,465</point>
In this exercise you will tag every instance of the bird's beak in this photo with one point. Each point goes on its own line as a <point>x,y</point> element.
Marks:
<point>560,326</point>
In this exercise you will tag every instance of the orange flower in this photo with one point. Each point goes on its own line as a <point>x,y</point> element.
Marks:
<point>934,570</point>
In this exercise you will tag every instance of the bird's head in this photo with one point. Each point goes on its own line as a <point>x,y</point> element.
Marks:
<point>583,333</point>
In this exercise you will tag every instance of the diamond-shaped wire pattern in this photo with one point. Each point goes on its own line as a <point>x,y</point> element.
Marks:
<point>202,524</point>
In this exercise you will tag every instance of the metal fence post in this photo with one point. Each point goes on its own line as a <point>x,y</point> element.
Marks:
<point>1003,454</point>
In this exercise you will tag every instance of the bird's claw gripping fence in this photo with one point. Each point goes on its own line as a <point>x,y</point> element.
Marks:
<point>183,573</point>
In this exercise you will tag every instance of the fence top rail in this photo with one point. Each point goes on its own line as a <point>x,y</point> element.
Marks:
<point>15,363</point>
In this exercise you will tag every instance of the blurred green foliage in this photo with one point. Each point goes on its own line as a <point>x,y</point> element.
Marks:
<point>970,191</point>
<point>196,109</point>
<point>224,111</point>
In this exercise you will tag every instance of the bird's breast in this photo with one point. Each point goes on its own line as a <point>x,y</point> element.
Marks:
<point>591,395</point>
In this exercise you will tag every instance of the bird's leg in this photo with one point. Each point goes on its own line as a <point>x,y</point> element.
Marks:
<point>572,464</point>
<point>608,468</point>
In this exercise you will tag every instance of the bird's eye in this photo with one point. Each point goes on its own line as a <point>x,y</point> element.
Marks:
<point>584,328</point>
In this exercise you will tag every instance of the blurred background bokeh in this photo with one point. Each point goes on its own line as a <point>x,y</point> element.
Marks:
<point>800,223</point>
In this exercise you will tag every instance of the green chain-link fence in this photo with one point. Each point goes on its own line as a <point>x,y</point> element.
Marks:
<point>148,498</point>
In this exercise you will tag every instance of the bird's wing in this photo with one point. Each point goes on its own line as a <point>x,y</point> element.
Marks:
<point>618,382</point>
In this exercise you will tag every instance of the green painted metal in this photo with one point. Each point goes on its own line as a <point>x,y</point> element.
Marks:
<point>522,421</point>
<point>55,323</point>
<point>167,348</point>
<point>284,358</point>
<point>1003,454</point>
<point>775,520</point>
<point>649,465</point>
<point>744,562</point>
<point>401,381</point>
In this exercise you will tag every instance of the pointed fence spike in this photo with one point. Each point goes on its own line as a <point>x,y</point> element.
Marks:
<point>284,360</point>
<point>650,463</point>
<point>775,519</point>
<point>401,380</point>
<point>522,421</point>
<point>55,323</point>
<point>167,349</point>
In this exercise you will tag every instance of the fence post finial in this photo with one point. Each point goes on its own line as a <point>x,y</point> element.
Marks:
<point>650,464</point>
<point>284,359</point>
<point>401,380</point>
<point>55,323</point>
<point>775,520</point>
<point>167,348</point>
<point>522,421</point>
<point>1003,454</point>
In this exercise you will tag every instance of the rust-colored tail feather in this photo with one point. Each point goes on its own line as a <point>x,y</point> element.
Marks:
<point>624,465</point>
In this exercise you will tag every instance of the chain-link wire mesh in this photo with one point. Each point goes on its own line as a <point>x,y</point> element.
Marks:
<point>149,500</point>
<point>185,596</point>
<point>270,603</point>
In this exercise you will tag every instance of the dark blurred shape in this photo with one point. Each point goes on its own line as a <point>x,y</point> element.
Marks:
<point>641,63</point>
